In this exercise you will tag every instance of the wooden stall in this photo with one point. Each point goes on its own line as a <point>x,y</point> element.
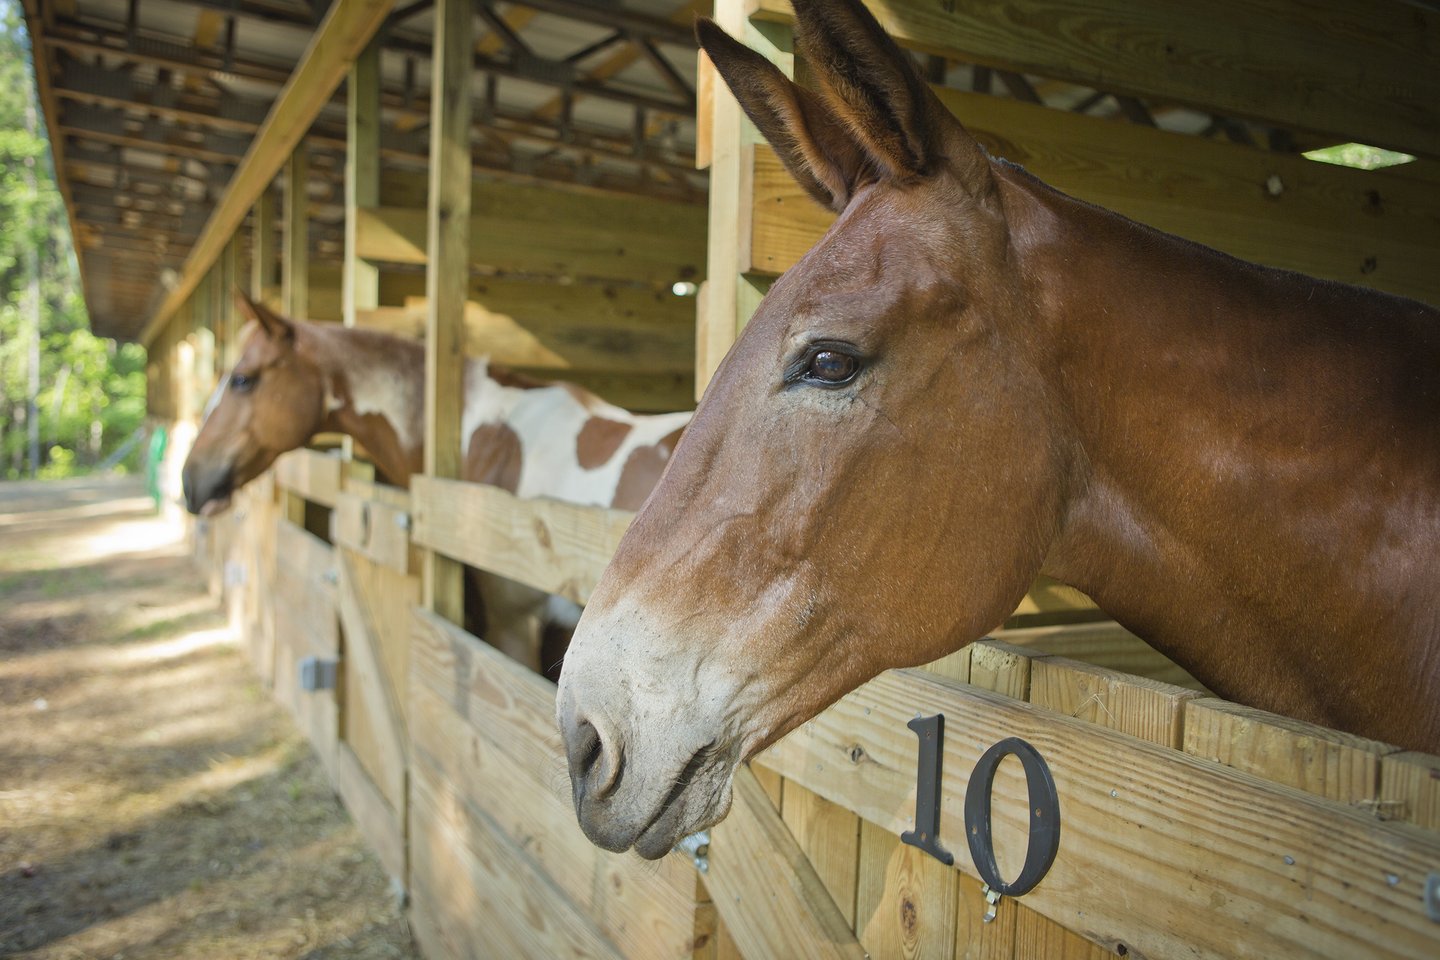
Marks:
<point>1189,826</point>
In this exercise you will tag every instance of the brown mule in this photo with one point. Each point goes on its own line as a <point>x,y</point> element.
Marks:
<point>973,379</point>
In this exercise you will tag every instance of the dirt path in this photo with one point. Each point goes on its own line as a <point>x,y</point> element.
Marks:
<point>153,802</point>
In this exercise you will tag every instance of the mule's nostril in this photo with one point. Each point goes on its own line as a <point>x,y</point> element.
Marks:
<point>595,763</point>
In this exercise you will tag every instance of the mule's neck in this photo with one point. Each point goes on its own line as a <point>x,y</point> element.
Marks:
<point>1254,487</point>
<point>374,392</point>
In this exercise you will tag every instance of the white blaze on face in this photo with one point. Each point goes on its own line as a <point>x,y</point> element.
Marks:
<point>215,398</point>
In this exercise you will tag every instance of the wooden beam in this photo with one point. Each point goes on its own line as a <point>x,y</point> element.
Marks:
<point>262,247</point>
<point>447,275</point>
<point>346,30</point>
<point>536,230</point>
<point>1356,72</point>
<point>361,284</point>
<point>295,242</point>
<point>1372,227</point>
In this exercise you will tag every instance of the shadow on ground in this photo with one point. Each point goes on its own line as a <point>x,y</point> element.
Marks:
<point>153,802</point>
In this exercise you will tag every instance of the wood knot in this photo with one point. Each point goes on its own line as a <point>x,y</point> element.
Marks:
<point>542,533</point>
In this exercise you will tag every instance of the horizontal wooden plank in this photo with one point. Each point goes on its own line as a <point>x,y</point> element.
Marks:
<point>1370,227</point>
<point>766,890</point>
<point>524,324</point>
<point>557,547</point>
<point>1410,789</point>
<point>1324,762</point>
<point>488,725</point>
<point>378,531</point>
<point>532,230</point>
<point>1363,72</point>
<point>1105,644</point>
<point>1164,853</point>
<point>310,474</point>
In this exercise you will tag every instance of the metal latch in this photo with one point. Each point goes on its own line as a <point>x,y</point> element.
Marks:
<point>317,674</point>
<point>992,902</point>
<point>1432,896</point>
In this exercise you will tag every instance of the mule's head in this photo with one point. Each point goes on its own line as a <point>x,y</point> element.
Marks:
<point>870,480</point>
<point>271,402</point>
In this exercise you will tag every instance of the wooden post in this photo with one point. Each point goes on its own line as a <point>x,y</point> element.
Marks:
<point>262,246</point>
<point>295,257</point>
<point>230,279</point>
<point>360,284</point>
<point>295,275</point>
<point>447,275</point>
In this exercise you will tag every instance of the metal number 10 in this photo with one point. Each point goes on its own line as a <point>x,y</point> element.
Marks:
<point>1044,808</point>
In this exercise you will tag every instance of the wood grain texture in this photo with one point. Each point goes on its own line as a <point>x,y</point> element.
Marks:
<point>1410,789</point>
<point>486,726</point>
<point>1375,228</point>
<point>829,835</point>
<point>1153,711</point>
<point>1363,73</point>
<point>379,823</point>
<point>1324,762</point>
<point>533,230</point>
<point>557,547</point>
<point>907,900</point>
<point>1160,851</point>
<point>1105,644</point>
<point>765,889</point>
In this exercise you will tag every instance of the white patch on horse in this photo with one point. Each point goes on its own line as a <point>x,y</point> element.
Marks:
<point>214,400</point>
<point>383,391</point>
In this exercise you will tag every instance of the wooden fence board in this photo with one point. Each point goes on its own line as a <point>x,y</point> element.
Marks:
<point>379,823</point>
<point>487,726</point>
<point>557,547</point>
<point>310,474</point>
<point>907,900</point>
<point>1324,762</point>
<point>1410,788</point>
<point>373,718</point>
<point>764,887</point>
<point>1147,709</point>
<point>486,894</point>
<point>377,530</point>
<point>1103,643</point>
<point>1204,869</point>
<point>829,835</point>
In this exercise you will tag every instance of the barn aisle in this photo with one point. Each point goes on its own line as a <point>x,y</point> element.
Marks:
<point>154,802</point>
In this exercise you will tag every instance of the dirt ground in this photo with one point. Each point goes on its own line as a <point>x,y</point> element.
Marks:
<point>153,801</point>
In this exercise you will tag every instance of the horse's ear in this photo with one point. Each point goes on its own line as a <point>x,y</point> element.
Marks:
<point>881,95</point>
<point>815,147</point>
<point>276,327</point>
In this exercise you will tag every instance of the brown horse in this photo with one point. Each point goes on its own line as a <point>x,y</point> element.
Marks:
<point>535,439</point>
<point>973,379</point>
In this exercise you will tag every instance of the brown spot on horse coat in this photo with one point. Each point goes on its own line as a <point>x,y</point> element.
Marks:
<point>494,457</point>
<point>642,471</point>
<point>598,441</point>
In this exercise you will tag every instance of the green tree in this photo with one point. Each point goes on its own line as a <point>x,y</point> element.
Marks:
<point>81,395</point>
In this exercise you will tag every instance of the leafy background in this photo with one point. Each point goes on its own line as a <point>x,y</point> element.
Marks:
<point>91,394</point>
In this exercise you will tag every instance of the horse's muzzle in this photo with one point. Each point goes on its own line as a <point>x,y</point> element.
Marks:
<point>205,486</point>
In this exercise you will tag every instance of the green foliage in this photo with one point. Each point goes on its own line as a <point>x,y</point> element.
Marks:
<point>91,394</point>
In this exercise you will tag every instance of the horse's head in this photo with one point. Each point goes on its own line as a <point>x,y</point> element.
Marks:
<point>872,478</point>
<point>271,402</point>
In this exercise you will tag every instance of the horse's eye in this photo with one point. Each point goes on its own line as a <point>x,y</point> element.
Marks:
<point>832,367</point>
<point>244,382</point>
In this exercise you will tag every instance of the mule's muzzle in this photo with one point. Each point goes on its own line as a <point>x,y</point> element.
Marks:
<point>204,487</point>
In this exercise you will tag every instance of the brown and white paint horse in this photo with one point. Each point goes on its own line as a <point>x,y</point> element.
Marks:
<point>973,379</point>
<point>295,379</point>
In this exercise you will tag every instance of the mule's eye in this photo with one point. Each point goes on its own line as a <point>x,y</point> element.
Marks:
<point>243,381</point>
<point>832,367</point>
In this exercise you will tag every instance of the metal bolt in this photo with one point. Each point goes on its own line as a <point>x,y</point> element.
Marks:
<point>1289,861</point>
<point>1392,879</point>
<point>1274,185</point>
<point>1114,793</point>
<point>402,520</point>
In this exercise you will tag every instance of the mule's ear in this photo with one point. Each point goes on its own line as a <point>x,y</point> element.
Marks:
<point>815,147</point>
<point>880,94</point>
<point>276,327</point>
